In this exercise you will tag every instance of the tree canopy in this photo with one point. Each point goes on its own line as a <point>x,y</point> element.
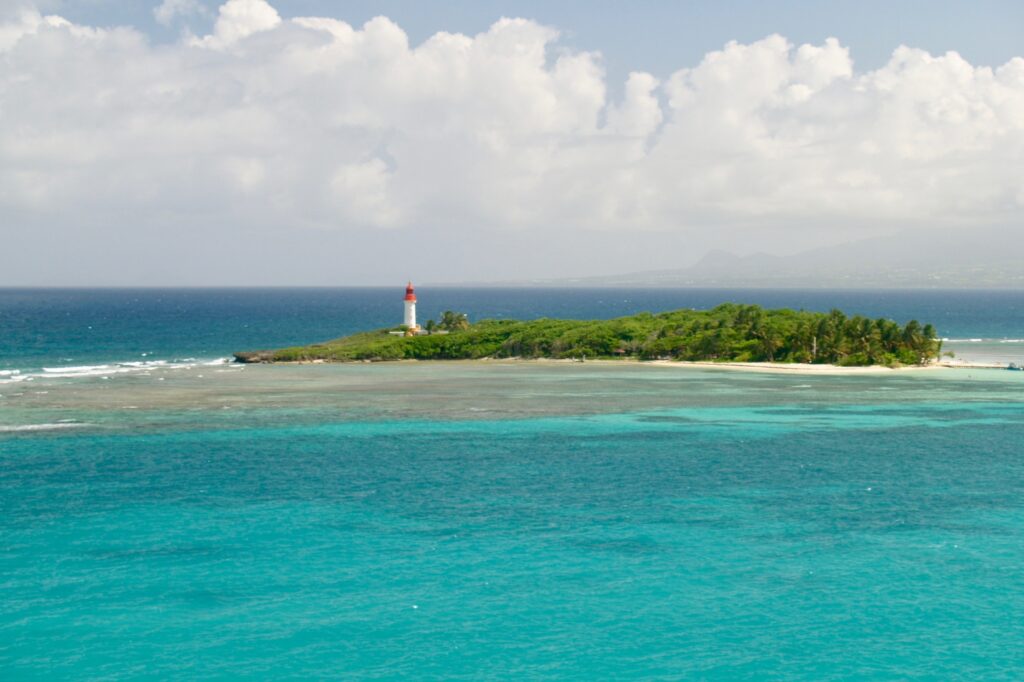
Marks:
<point>729,332</point>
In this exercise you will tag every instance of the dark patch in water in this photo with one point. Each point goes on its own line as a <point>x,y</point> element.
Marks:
<point>666,419</point>
<point>627,546</point>
<point>153,552</point>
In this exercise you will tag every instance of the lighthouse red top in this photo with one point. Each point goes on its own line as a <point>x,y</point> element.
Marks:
<point>410,293</point>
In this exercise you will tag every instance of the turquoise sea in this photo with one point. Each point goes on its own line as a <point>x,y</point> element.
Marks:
<point>164,515</point>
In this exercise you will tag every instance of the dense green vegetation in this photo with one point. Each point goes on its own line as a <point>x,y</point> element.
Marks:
<point>450,322</point>
<point>730,332</point>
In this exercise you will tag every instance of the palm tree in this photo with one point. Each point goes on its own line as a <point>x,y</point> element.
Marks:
<point>453,321</point>
<point>768,337</point>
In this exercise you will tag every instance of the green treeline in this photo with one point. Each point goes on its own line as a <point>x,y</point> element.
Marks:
<point>730,332</point>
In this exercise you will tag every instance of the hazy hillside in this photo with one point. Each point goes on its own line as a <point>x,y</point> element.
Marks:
<point>942,259</point>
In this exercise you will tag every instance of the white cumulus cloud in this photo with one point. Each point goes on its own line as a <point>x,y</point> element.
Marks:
<point>236,20</point>
<point>315,122</point>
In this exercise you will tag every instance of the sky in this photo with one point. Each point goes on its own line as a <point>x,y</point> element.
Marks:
<point>306,142</point>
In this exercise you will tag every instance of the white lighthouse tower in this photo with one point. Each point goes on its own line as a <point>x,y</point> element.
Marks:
<point>410,308</point>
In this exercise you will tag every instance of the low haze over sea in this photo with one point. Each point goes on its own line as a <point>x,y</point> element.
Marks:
<point>166,514</point>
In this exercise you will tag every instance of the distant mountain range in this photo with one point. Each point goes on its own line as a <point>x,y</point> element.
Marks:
<point>942,259</point>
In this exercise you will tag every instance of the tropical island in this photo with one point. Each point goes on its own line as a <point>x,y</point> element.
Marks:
<point>728,333</point>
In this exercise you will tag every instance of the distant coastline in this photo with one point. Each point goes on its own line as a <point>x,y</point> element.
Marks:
<point>949,259</point>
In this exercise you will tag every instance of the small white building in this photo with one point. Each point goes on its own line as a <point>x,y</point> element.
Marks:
<point>410,308</point>
<point>412,328</point>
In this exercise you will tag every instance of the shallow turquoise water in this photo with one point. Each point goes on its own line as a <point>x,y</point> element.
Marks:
<point>490,521</point>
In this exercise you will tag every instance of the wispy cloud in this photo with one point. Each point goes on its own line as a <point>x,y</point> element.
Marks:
<point>168,11</point>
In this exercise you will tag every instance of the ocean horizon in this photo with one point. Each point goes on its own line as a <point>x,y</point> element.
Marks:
<point>67,327</point>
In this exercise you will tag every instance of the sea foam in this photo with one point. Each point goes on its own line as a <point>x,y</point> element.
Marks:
<point>17,428</point>
<point>105,370</point>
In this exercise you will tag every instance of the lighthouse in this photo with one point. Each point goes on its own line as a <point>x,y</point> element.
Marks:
<point>410,307</point>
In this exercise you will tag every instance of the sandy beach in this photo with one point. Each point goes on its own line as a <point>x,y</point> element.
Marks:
<point>801,368</point>
<point>777,368</point>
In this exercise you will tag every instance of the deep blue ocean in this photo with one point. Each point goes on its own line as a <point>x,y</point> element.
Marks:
<point>164,515</point>
<point>60,327</point>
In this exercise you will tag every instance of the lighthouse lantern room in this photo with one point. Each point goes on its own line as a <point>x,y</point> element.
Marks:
<point>410,308</point>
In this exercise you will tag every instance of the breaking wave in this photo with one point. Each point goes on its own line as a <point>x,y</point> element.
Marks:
<point>11,376</point>
<point>983,340</point>
<point>54,426</point>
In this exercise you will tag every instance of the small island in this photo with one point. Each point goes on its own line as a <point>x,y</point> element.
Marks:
<point>731,332</point>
